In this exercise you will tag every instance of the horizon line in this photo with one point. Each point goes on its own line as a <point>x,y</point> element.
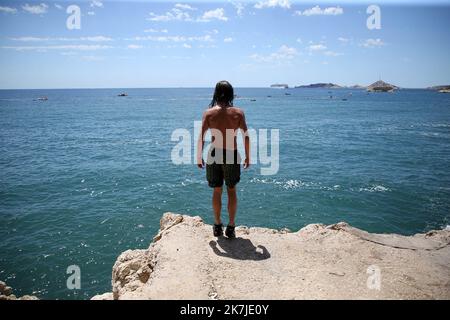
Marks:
<point>201,87</point>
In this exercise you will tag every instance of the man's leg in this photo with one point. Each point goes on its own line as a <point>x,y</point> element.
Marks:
<point>232,204</point>
<point>217,204</point>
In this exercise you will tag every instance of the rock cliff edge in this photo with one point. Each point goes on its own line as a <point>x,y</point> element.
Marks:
<point>338,261</point>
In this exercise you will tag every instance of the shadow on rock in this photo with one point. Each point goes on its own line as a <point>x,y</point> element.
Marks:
<point>239,248</point>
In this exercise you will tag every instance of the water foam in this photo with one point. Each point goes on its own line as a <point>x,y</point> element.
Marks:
<point>375,188</point>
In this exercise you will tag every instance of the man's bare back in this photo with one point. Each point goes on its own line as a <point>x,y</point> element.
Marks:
<point>227,120</point>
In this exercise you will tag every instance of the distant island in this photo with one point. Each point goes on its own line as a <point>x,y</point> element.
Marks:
<point>441,89</point>
<point>381,86</point>
<point>319,85</point>
<point>280,85</point>
<point>377,86</point>
<point>357,86</point>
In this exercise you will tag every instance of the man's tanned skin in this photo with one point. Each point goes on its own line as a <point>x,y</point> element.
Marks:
<point>224,120</point>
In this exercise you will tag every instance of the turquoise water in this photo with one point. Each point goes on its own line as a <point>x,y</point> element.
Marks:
<point>87,175</point>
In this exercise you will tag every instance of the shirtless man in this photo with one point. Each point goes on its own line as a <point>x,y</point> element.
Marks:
<point>223,163</point>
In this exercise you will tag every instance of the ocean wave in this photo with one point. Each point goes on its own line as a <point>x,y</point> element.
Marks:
<point>440,125</point>
<point>429,125</point>
<point>374,188</point>
<point>430,134</point>
<point>14,99</point>
<point>187,182</point>
<point>287,184</point>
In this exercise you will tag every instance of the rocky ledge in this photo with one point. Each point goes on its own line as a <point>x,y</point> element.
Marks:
<point>338,261</point>
<point>6,293</point>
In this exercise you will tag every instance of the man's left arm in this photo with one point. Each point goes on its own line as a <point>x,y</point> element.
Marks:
<point>246,137</point>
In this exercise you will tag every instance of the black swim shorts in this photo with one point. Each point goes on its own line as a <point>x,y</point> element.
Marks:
<point>227,167</point>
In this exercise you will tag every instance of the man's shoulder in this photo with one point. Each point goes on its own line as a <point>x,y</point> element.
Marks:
<point>216,110</point>
<point>209,111</point>
<point>237,110</point>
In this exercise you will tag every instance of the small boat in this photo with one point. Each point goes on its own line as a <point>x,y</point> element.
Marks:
<point>269,96</point>
<point>344,99</point>
<point>252,99</point>
<point>122,95</point>
<point>42,99</point>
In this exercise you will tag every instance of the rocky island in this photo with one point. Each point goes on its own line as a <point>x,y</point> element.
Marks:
<point>357,86</point>
<point>319,85</point>
<point>381,86</point>
<point>441,89</point>
<point>280,86</point>
<point>337,261</point>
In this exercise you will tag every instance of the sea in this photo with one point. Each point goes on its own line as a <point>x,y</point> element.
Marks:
<point>86,174</point>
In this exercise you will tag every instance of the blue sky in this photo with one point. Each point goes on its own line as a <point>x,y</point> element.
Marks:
<point>197,43</point>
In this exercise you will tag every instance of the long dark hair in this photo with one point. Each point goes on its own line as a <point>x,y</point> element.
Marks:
<point>223,94</point>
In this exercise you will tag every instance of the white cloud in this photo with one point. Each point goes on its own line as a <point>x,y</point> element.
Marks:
<point>8,10</point>
<point>69,53</point>
<point>332,54</point>
<point>37,39</point>
<point>134,46</point>
<point>180,12</point>
<point>36,9</point>
<point>218,14</point>
<point>284,53</point>
<point>29,39</point>
<point>208,46</point>
<point>96,4</point>
<point>156,31</point>
<point>79,47</point>
<point>343,40</point>
<point>333,11</point>
<point>173,14</point>
<point>187,46</point>
<point>206,38</point>
<point>58,6</point>
<point>91,13</point>
<point>96,38</point>
<point>273,3</point>
<point>229,39</point>
<point>184,7</point>
<point>372,43</point>
<point>240,7</point>
<point>321,48</point>
<point>316,11</point>
<point>317,47</point>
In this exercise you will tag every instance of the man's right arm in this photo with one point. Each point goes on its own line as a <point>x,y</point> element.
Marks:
<point>201,141</point>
